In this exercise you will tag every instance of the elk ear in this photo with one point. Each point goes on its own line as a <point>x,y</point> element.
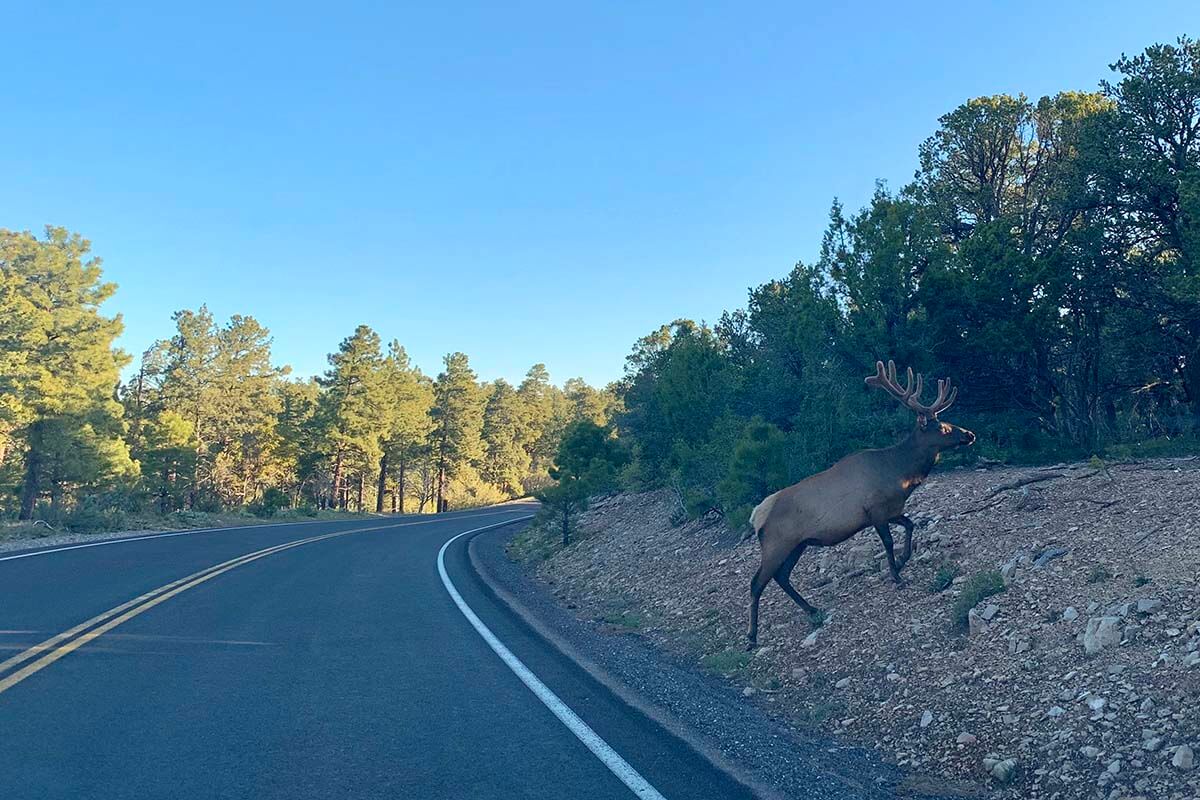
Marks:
<point>922,421</point>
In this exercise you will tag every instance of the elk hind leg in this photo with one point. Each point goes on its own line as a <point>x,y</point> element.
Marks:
<point>885,536</point>
<point>768,565</point>
<point>909,526</point>
<point>783,577</point>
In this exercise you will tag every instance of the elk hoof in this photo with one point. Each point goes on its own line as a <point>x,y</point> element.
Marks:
<point>751,645</point>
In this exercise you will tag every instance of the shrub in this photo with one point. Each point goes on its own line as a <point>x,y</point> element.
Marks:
<point>271,503</point>
<point>978,587</point>
<point>943,579</point>
<point>91,518</point>
<point>726,662</point>
<point>1098,574</point>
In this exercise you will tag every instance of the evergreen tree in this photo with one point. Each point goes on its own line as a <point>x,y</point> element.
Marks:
<point>351,412</point>
<point>408,398</point>
<point>457,416</point>
<point>59,366</point>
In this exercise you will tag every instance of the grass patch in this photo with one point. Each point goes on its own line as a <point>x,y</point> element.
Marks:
<point>726,662</point>
<point>1140,581</point>
<point>943,578</point>
<point>820,713</point>
<point>624,619</point>
<point>978,587</point>
<point>533,544</point>
<point>1099,574</point>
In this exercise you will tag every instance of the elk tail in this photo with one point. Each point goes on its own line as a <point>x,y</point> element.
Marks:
<point>758,517</point>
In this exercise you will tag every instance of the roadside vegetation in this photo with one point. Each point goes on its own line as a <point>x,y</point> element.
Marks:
<point>209,426</point>
<point>1045,256</point>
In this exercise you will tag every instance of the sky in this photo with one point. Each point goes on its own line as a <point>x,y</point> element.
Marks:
<point>524,182</point>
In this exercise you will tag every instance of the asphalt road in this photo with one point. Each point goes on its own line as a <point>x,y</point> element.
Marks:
<point>337,668</point>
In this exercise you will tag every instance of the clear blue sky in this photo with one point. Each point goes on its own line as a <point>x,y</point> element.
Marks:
<point>523,182</point>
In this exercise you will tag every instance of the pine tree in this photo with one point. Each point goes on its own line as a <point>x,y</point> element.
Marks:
<point>505,462</point>
<point>457,416</point>
<point>351,412</point>
<point>407,397</point>
<point>60,365</point>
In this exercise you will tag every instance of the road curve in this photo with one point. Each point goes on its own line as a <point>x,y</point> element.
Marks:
<point>328,660</point>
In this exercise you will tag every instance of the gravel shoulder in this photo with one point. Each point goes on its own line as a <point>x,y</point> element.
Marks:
<point>775,758</point>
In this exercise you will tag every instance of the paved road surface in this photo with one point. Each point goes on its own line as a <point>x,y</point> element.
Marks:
<point>337,668</point>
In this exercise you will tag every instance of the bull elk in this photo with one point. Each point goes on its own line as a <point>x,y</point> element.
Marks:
<point>865,489</point>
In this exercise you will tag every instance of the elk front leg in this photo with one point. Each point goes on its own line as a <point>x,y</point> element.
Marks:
<point>909,526</point>
<point>885,536</point>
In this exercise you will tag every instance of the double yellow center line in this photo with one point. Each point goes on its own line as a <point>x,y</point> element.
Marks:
<point>43,655</point>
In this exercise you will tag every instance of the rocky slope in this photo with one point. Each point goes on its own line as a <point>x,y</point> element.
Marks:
<point>1080,679</point>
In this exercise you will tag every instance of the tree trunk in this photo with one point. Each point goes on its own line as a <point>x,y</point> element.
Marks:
<point>337,482</point>
<point>441,485</point>
<point>381,492</point>
<point>400,489</point>
<point>362,485</point>
<point>30,489</point>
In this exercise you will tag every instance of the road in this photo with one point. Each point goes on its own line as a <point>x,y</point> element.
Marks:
<point>318,660</point>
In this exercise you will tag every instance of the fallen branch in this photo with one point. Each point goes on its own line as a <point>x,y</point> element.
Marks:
<point>1017,484</point>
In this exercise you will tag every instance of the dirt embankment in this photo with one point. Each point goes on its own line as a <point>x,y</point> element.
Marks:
<point>1080,679</point>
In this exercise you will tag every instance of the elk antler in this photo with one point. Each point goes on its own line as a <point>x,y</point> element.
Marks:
<point>910,395</point>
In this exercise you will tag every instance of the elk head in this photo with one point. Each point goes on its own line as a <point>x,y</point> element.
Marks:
<point>930,431</point>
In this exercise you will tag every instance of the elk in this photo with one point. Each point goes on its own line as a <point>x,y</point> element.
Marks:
<point>865,489</point>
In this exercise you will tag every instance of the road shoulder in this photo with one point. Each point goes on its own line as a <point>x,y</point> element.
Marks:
<point>735,737</point>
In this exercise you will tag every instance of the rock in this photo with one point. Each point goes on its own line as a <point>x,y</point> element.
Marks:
<point>1070,614</point>
<point>926,719</point>
<point>1048,555</point>
<point>1003,770</point>
<point>1097,704</point>
<point>1192,659</point>
<point>843,683</point>
<point>975,623</point>
<point>989,611</point>
<point>1114,766</point>
<point>966,738</point>
<point>1056,711</point>
<point>893,676</point>
<point>1148,605</point>
<point>1184,758</point>
<point>748,691</point>
<point>1101,632</point>
<point>1088,751</point>
<point>1008,573</point>
<point>1152,744</point>
<point>811,639</point>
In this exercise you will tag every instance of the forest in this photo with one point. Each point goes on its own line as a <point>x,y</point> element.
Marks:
<point>1045,256</point>
<point>206,421</point>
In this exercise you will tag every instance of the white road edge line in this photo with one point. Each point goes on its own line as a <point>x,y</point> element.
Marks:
<point>124,539</point>
<point>600,748</point>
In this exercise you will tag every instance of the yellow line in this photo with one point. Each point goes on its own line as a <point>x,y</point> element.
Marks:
<point>150,599</point>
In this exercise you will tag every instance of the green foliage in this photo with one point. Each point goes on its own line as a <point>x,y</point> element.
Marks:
<point>943,578</point>
<point>978,587</point>
<point>759,466</point>
<point>1099,574</point>
<point>1045,257</point>
<point>271,503</point>
<point>726,662</point>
